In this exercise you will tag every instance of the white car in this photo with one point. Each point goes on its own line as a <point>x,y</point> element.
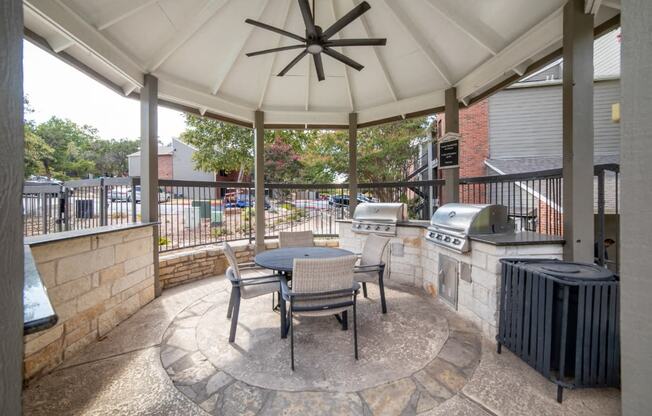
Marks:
<point>125,194</point>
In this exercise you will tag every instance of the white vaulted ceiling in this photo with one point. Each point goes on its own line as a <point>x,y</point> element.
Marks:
<point>197,49</point>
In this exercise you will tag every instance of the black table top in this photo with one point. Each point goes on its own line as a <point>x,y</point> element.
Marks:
<point>282,259</point>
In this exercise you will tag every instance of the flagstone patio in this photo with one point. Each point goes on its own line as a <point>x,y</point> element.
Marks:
<point>173,358</point>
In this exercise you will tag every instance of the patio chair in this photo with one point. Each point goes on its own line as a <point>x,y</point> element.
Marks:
<point>244,288</point>
<point>371,267</point>
<point>288,239</point>
<point>320,287</point>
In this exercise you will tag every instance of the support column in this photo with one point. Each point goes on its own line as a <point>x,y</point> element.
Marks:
<point>149,163</point>
<point>259,178</point>
<point>635,224</point>
<point>353,162</point>
<point>11,222</point>
<point>578,133</point>
<point>451,192</point>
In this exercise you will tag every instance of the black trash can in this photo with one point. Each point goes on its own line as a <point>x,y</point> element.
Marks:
<point>84,208</point>
<point>562,318</point>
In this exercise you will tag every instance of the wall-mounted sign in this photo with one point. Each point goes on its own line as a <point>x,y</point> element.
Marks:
<point>449,151</point>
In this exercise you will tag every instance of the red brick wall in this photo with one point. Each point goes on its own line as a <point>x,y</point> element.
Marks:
<point>474,148</point>
<point>165,170</point>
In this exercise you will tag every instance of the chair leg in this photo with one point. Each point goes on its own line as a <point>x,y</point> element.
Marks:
<point>364,289</point>
<point>345,320</point>
<point>291,340</point>
<point>355,330</point>
<point>231,301</point>
<point>234,319</point>
<point>381,285</point>
<point>284,324</point>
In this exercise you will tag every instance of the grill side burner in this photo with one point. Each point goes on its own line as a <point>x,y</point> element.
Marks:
<point>452,224</point>
<point>377,218</point>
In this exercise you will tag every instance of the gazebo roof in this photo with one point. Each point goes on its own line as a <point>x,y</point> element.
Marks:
<point>196,48</point>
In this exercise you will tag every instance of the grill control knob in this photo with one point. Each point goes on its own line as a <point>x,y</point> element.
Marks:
<point>431,235</point>
<point>377,227</point>
<point>439,236</point>
<point>387,228</point>
<point>456,241</point>
<point>447,239</point>
<point>368,227</point>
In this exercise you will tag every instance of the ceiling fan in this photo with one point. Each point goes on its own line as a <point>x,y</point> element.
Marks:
<point>318,40</point>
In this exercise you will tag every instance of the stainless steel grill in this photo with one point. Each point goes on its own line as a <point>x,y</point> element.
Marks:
<point>452,224</point>
<point>377,218</point>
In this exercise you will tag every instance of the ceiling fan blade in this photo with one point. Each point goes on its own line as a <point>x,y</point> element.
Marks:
<point>356,12</point>
<point>308,19</point>
<point>293,63</point>
<point>319,67</point>
<point>275,29</point>
<point>282,48</point>
<point>344,59</point>
<point>357,42</point>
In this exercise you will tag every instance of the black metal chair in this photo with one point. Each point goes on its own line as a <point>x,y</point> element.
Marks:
<point>320,287</point>
<point>371,267</point>
<point>244,288</point>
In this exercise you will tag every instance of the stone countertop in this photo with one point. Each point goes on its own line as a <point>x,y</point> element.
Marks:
<point>87,232</point>
<point>521,238</point>
<point>38,313</point>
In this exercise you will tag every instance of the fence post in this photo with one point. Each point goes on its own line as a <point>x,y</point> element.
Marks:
<point>61,214</point>
<point>44,211</point>
<point>133,200</point>
<point>250,207</point>
<point>102,202</point>
<point>601,222</point>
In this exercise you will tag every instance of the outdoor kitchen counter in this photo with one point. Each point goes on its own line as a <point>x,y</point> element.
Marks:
<point>85,232</point>
<point>522,238</point>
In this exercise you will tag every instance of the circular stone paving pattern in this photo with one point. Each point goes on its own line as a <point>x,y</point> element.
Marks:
<point>411,359</point>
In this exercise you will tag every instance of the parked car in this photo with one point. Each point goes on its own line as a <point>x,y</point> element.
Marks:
<point>125,194</point>
<point>339,200</point>
<point>240,200</point>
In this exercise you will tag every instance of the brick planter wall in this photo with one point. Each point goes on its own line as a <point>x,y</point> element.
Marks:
<point>94,283</point>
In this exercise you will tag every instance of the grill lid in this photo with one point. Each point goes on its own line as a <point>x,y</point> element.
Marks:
<point>379,212</point>
<point>471,219</point>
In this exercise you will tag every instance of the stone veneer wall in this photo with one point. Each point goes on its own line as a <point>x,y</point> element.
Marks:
<point>94,283</point>
<point>412,260</point>
<point>197,263</point>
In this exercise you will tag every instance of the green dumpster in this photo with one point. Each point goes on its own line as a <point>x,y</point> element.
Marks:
<point>216,217</point>
<point>204,208</point>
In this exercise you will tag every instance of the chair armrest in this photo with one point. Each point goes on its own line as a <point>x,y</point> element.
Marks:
<point>368,267</point>
<point>258,280</point>
<point>286,293</point>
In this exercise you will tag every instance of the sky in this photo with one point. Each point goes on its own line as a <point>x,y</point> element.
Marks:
<point>55,88</point>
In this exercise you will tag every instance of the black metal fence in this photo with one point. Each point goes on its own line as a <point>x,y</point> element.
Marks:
<point>193,213</point>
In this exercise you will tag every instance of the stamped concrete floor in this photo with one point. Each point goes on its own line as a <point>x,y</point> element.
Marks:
<point>173,358</point>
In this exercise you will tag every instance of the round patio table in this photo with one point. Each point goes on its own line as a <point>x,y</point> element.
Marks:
<point>282,259</point>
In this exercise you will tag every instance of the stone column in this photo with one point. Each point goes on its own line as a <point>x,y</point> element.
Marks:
<point>11,222</point>
<point>353,162</point>
<point>450,191</point>
<point>578,133</point>
<point>259,178</point>
<point>149,163</point>
<point>635,223</point>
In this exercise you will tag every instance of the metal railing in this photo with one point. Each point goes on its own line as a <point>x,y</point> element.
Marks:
<point>193,213</point>
<point>78,204</point>
<point>535,200</point>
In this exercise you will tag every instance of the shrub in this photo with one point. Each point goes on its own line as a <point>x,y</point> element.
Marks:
<point>163,241</point>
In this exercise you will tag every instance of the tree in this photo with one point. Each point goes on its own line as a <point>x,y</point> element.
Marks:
<point>282,164</point>
<point>110,156</point>
<point>36,150</point>
<point>69,142</point>
<point>220,146</point>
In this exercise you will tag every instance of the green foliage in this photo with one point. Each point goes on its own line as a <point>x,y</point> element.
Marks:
<point>163,241</point>
<point>219,232</point>
<point>221,146</point>
<point>63,149</point>
<point>248,213</point>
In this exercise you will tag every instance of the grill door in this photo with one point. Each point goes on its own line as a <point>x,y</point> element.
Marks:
<point>448,277</point>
